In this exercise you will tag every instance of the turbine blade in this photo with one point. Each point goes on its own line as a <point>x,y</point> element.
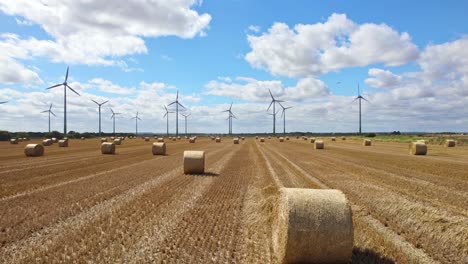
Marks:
<point>95,102</point>
<point>365,99</point>
<point>279,101</point>
<point>165,115</point>
<point>270,105</point>
<point>282,113</point>
<point>45,111</point>
<point>138,118</point>
<point>53,113</point>
<point>50,107</point>
<point>171,103</point>
<point>165,108</point>
<point>271,94</point>
<point>177,96</point>
<point>112,111</point>
<point>181,105</point>
<point>105,102</point>
<point>53,86</point>
<point>73,90</point>
<point>230,106</point>
<point>66,75</point>
<point>355,99</point>
<point>3,102</point>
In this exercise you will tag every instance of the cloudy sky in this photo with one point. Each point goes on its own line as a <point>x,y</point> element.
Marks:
<point>409,58</point>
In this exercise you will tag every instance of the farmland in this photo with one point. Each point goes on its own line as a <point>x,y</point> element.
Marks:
<point>76,205</point>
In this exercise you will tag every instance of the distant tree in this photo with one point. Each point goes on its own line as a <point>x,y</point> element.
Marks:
<point>22,135</point>
<point>53,134</point>
<point>72,134</point>
<point>4,135</point>
<point>370,135</point>
<point>86,135</point>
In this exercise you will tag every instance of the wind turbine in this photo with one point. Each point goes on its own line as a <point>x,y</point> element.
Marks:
<point>167,117</point>
<point>273,102</point>
<point>3,102</point>
<point>186,122</point>
<point>50,112</point>
<point>231,115</point>
<point>359,97</point>
<point>136,123</point>
<point>113,117</point>
<point>283,114</point>
<point>99,104</point>
<point>176,102</point>
<point>65,86</point>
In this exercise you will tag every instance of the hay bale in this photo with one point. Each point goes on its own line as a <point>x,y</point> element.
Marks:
<point>235,140</point>
<point>47,142</point>
<point>178,138</point>
<point>13,141</point>
<point>243,138</point>
<point>174,139</point>
<point>34,150</point>
<point>305,138</point>
<point>417,148</point>
<point>256,137</point>
<point>450,143</point>
<point>343,138</point>
<point>194,162</point>
<point>192,140</point>
<point>218,140</point>
<point>108,148</point>
<point>118,141</point>
<point>83,138</point>
<point>159,148</point>
<point>312,140</point>
<point>367,142</point>
<point>262,139</point>
<point>160,140</point>
<point>146,138</point>
<point>19,139</point>
<point>103,140</point>
<point>333,139</point>
<point>281,139</point>
<point>319,144</point>
<point>54,140</point>
<point>112,138</point>
<point>287,138</point>
<point>63,143</point>
<point>313,226</point>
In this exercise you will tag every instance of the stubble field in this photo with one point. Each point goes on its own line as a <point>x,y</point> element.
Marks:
<point>76,205</point>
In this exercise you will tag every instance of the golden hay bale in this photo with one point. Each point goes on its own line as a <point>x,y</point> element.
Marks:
<point>281,139</point>
<point>146,138</point>
<point>108,148</point>
<point>450,143</point>
<point>218,140</point>
<point>243,138</point>
<point>235,140</point>
<point>287,138</point>
<point>269,137</point>
<point>192,140</point>
<point>367,142</point>
<point>343,138</point>
<point>47,142</point>
<point>118,141</point>
<point>178,138</point>
<point>63,143</point>
<point>417,148</point>
<point>313,226</point>
<point>256,137</point>
<point>83,138</point>
<point>34,150</point>
<point>305,138</point>
<point>13,141</point>
<point>333,139</point>
<point>174,139</point>
<point>319,144</point>
<point>103,140</point>
<point>112,138</point>
<point>160,140</point>
<point>54,140</point>
<point>262,139</point>
<point>194,162</point>
<point>297,137</point>
<point>422,141</point>
<point>312,140</point>
<point>159,148</point>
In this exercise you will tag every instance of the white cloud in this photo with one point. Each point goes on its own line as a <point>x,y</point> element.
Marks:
<point>109,87</point>
<point>11,71</point>
<point>314,49</point>
<point>254,28</point>
<point>383,78</point>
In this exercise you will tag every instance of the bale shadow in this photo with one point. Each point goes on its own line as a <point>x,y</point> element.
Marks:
<point>206,174</point>
<point>369,256</point>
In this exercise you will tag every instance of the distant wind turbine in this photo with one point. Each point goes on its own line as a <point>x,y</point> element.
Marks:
<point>65,86</point>
<point>113,117</point>
<point>4,102</point>
<point>177,103</point>
<point>99,104</point>
<point>359,97</point>
<point>231,115</point>
<point>136,123</point>
<point>273,102</point>
<point>166,115</point>
<point>185,116</point>
<point>50,112</point>
<point>283,114</point>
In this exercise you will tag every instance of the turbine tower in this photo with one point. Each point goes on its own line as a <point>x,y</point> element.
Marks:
<point>231,115</point>
<point>283,114</point>
<point>99,104</point>
<point>136,123</point>
<point>359,97</point>
<point>185,116</point>
<point>176,102</point>
<point>50,112</point>
<point>65,86</point>
<point>167,118</point>
<point>113,117</point>
<point>273,102</point>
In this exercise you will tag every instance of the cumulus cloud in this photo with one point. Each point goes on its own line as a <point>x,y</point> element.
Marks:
<point>11,71</point>
<point>254,28</point>
<point>383,78</point>
<point>313,49</point>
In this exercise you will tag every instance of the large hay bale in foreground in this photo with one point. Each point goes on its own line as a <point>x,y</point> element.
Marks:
<point>313,226</point>
<point>417,148</point>
<point>194,162</point>
<point>450,143</point>
<point>319,144</point>
<point>312,140</point>
<point>218,140</point>
<point>118,141</point>
<point>108,148</point>
<point>13,141</point>
<point>47,142</point>
<point>63,143</point>
<point>159,148</point>
<point>262,139</point>
<point>34,150</point>
<point>367,142</point>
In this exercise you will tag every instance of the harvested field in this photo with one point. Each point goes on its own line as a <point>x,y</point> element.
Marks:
<point>76,205</point>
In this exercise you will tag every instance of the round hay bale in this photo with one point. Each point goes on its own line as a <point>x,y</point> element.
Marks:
<point>194,162</point>
<point>108,148</point>
<point>287,138</point>
<point>103,140</point>
<point>13,141</point>
<point>34,150</point>
<point>19,139</point>
<point>417,148</point>
<point>63,143</point>
<point>262,139</point>
<point>174,139</point>
<point>146,138</point>
<point>112,138</point>
<point>281,139</point>
<point>54,140</point>
<point>319,144</point>
<point>450,143</point>
<point>367,142</point>
<point>159,148</point>
<point>343,138</point>
<point>313,226</point>
<point>235,140</point>
<point>312,140</point>
<point>305,138</point>
<point>333,139</point>
<point>47,142</point>
<point>83,138</point>
<point>243,138</point>
<point>118,141</point>
<point>192,140</point>
<point>160,140</point>
<point>218,140</point>
<point>256,137</point>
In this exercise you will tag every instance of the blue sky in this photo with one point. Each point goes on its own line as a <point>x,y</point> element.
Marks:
<point>409,58</point>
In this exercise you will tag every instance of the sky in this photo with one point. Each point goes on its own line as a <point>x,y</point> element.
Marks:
<point>409,59</point>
